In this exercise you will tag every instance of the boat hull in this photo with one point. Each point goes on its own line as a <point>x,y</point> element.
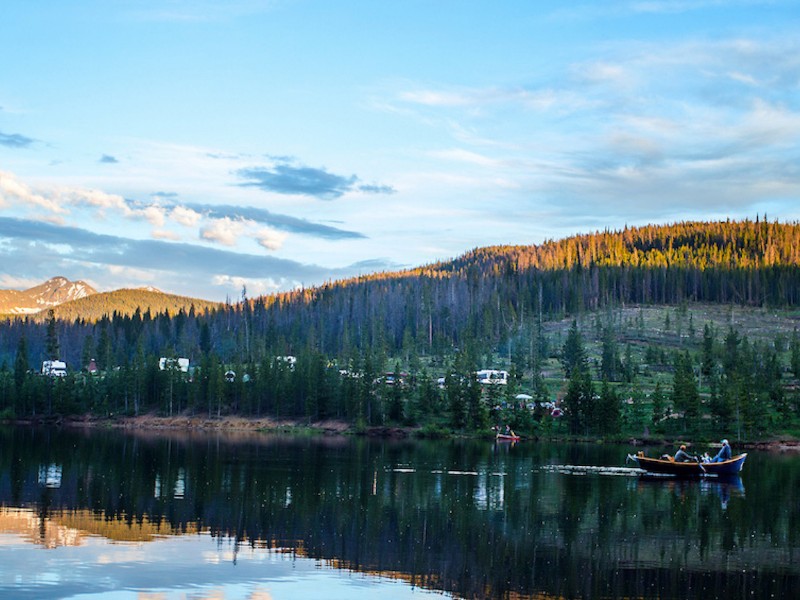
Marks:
<point>727,467</point>
<point>501,437</point>
<point>668,467</point>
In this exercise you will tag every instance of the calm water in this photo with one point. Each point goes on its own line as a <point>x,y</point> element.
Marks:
<point>91,514</point>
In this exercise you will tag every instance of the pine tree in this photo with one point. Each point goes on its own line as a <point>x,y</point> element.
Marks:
<point>608,410</point>
<point>51,339</point>
<point>609,360</point>
<point>659,403</point>
<point>396,399</point>
<point>794,348</point>
<point>707,360</point>
<point>629,366</point>
<point>21,364</point>
<point>579,401</point>
<point>685,395</point>
<point>573,355</point>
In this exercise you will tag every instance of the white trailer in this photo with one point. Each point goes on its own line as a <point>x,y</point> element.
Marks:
<point>54,368</point>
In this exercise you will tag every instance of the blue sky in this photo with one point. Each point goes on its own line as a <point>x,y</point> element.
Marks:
<point>201,146</point>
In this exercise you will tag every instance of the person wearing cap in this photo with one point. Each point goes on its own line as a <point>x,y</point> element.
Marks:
<point>724,453</point>
<point>682,456</point>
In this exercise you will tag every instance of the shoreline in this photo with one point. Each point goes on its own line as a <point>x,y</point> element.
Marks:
<point>331,427</point>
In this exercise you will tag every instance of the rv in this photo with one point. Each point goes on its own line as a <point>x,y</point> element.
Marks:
<point>54,368</point>
<point>492,377</point>
<point>179,364</point>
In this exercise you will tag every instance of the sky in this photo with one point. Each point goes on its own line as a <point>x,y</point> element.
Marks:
<point>212,149</point>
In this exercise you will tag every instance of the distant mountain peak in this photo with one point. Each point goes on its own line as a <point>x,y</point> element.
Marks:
<point>56,290</point>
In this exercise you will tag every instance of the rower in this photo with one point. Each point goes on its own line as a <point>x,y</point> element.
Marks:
<point>724,453</point>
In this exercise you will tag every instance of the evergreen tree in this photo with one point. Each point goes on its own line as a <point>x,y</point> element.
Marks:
<point>685,395</point>
<point>573,354</point>
<point>456,400</point>
<point>477,411</point>
<point>794,358</point>
<point>608,410</point>
<point>51,339</point>
<point>579,400</point>
<point>609,361</point>
<point>396,397</point>
<point>707,360</point>
<point>730,360</point>
<point>629,365</point>
<point>21,364</point>
<point>659,404</point>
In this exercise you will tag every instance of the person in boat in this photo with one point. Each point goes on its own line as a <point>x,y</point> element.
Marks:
<point>724,453</point>
<point>510,432</point>
<point>682,456</point>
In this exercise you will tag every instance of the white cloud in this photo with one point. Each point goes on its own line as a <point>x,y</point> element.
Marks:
<point>153,214</point>
<point>9,282</point>
<point>437,98</point>
<point>138,276</point>
<point>604,72</point>
<point>93,198</point>
<point>163,234</point>
<point>224,231</point>
<point>770,124</point>
<point>270,239</point>
<point>467,156</point>
<point>11,188</point>
<point>185,216</point>
<point>255,287</point>
<point>743,78</point>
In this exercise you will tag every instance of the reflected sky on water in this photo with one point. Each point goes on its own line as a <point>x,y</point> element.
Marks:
<point>190,566</point>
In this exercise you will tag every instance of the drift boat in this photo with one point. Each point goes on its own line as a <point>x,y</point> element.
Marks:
<point>663,466</point>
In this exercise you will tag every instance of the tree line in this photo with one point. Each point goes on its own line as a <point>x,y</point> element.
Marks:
<point>431,321</point>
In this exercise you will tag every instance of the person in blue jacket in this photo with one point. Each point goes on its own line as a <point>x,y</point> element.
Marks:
<point>724,453</point>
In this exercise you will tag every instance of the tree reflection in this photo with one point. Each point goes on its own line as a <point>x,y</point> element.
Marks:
<point>470,518</point>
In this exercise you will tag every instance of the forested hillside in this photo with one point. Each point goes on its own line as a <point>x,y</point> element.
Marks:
<point>126,302</point>
<point>491,305</point>
<point>490,292</point>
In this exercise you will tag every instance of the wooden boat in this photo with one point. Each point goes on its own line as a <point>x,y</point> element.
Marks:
<point>504,437</point>
<point>663,466</point>
<point>727,467</point>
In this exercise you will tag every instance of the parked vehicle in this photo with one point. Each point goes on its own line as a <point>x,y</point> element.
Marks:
<point>54,368</point>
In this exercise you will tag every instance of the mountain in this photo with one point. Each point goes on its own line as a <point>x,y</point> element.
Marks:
<point>49,294</point>
<point>71,300</point>
<point>125,302</point>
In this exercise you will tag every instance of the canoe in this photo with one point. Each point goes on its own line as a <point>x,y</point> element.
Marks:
<point>504,437</point>
<point>727,467</point>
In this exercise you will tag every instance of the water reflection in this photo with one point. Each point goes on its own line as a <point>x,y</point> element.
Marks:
<point>722,488</point>
<point>472,519</point>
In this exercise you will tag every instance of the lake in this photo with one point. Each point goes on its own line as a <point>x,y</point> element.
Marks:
<point>153,515</point>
